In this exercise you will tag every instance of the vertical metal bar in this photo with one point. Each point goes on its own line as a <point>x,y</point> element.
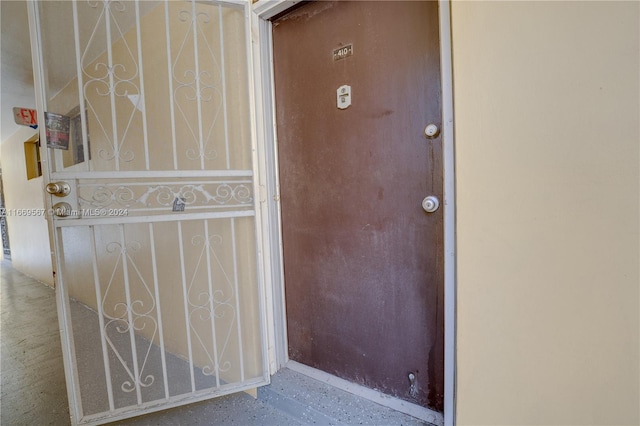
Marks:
<point>99,301</point>
<point>213,321</point>
<point>114,120</point>
<point>59,162</point>
<point>154,265</point>
<point>83,114</point>
<point>197,78</point>
<point>69,347</point>
<point>170,78</point>
<point>132,335</point>
<point>224,87</point>
<point>185,299</point>
<point>141,79</point>
<point>236,285</point>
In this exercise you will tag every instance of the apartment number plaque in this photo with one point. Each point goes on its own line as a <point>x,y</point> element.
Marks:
<point>343,52</point>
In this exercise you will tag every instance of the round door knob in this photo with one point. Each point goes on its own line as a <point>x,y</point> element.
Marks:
<point>430,204</point>
<point>59,189</point>
<point>431,131</point>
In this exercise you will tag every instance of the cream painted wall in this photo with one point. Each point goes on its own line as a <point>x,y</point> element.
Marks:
<point>547,131</point>
<point>28,235</point>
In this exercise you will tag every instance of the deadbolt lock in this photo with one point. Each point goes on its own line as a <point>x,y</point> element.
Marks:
<point>59,189</point>
<point>431,131</point>
<point>430,204</point>
<point>62,209</point>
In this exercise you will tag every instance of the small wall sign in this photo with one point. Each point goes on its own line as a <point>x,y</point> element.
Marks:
<point>57,127</point>
<point>343,52</point>
<point>25,117</point>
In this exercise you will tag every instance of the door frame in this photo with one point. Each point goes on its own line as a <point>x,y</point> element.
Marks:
<point>263,11</point>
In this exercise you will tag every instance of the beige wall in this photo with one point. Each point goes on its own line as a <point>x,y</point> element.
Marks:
<point>28,235</point>
<point>546,109</point>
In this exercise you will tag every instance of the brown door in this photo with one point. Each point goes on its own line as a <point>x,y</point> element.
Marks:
<point>363,261</point>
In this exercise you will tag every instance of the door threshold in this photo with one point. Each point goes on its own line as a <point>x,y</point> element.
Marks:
<point>414,410</point>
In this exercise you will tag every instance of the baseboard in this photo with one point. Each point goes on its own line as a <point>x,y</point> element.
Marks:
<point>397,404</point>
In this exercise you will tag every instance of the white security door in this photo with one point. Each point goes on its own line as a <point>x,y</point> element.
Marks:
<point>150,164</point>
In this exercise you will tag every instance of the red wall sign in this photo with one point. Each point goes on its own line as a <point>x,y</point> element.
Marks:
<point>25,117</point>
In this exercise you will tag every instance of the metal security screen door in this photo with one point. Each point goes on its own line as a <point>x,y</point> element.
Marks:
<point>150,162</point>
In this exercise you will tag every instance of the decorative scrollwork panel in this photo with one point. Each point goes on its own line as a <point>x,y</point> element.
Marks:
<point>159,197</point>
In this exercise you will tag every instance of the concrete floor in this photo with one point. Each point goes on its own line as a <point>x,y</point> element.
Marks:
<point>33,390</point>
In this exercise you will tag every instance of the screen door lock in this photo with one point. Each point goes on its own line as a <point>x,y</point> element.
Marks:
<point>66,209</point>
<point>62,209</point>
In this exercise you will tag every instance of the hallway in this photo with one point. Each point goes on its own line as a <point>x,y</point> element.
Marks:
<point>34,391</point>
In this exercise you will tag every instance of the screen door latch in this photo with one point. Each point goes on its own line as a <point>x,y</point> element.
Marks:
<point>59,189</point>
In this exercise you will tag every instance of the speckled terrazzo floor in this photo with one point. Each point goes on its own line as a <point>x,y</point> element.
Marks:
<point>33,390</point>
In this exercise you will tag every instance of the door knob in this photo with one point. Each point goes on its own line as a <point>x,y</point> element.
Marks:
<point>430,204</point>
<point>62,209</point>
<point>59,189</point>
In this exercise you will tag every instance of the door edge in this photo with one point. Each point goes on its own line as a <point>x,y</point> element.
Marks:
<point>449,195</point>
<point>39,88</point>
<point>268,159</point>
